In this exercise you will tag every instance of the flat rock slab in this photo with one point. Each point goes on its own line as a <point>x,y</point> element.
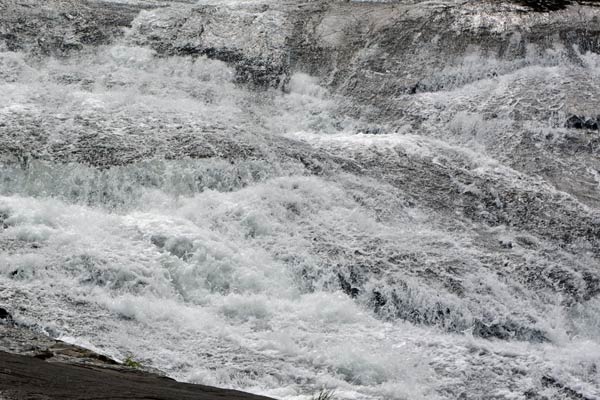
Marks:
<point>24,377</point>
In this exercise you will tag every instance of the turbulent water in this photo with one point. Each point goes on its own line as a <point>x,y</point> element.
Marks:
<point>438,244</point>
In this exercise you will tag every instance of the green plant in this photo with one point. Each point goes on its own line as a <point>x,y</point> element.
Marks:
<point>131,363</point>
<point>324,394</point>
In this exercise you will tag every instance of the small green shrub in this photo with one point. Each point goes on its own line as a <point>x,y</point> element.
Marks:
<point>131,363</point>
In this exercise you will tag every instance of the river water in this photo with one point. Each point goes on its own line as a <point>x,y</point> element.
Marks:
<point>264,240</point>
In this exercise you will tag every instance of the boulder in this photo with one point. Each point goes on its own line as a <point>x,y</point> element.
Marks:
<point>5,317</point>
<point>581,122</point>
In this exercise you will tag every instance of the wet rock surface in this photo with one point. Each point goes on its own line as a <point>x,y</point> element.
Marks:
<point>61,27</point>
<point>34,365</point>
<point>25,341</point>
<point>579,122</point>
<point>5,316</point>
<point>24,377</point>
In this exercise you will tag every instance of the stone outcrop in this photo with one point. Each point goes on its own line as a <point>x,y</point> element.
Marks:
<point>34,366</point>
<point>23,377</point>
<point>61,27</point>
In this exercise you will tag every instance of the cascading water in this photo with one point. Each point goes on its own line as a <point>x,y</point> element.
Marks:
<point>442,243</point>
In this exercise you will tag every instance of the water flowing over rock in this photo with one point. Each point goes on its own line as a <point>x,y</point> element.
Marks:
<point>392,199</point>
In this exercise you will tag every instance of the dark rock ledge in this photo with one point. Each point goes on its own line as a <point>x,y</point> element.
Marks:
<point>34,366</point>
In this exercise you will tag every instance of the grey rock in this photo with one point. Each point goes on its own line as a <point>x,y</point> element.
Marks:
<point>578,122</point>
<point>5,317</point>
<point>61,27</point>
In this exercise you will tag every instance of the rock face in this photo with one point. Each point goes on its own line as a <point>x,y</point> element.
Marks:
<point>34,365</point>
<point>259,56</point>
<point>25,377</point>
<point>24,341</point>
<point>61,27</point>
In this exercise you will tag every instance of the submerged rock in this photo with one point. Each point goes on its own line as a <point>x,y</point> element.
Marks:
<point>5,316</point>
<point>545,5</point>
<point>580,122</point>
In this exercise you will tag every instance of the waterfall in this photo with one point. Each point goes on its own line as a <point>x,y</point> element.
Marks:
<point>393,200</point>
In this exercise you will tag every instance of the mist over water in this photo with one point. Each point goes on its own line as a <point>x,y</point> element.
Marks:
<point>274,241</point>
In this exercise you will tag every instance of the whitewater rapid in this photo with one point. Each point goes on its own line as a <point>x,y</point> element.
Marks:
<point>268,241</point>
